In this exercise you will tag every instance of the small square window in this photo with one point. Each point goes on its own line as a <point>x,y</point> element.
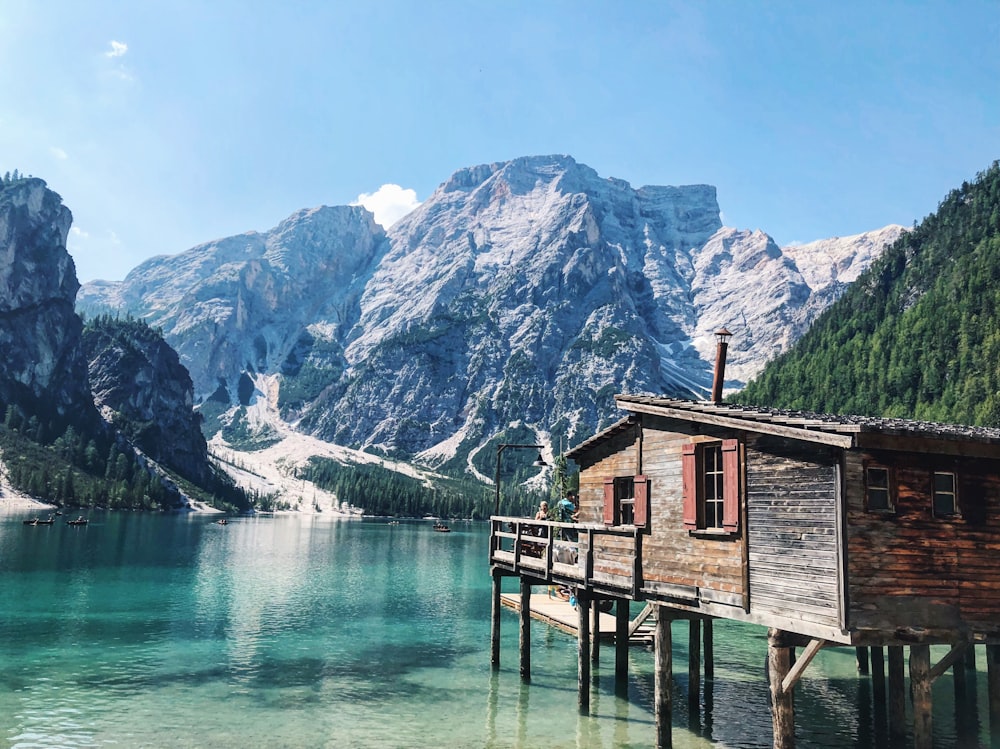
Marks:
<point>625,499</point>
<point>877,491</point>
<point>945,501</point>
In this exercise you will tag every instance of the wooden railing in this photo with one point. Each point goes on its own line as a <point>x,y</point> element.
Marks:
<point>566,552</point>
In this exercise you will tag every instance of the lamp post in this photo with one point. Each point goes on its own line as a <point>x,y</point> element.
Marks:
<point>539,463</point>
<point>723,336</point>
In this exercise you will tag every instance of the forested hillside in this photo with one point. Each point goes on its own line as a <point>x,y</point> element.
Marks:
<point>918,334</point>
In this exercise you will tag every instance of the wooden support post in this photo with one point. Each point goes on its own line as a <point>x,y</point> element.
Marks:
<point>709,645</point>
<point>583,650</point>
<point>958,678</point>
<point>878,677</point>
<point>595,632</point>
<point>970,657</point>
<point>694,661</point>
<point>621,643</point>
<point>993,688</point>
<point>525,629</point>
<point>897,693</point>
<point>920,687</point>
<point>495,621</point>
<point>862,656</point>
<point>663,676</point>
<point>779,662</point>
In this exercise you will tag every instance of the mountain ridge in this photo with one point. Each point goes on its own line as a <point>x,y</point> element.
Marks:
<point>512,303</point>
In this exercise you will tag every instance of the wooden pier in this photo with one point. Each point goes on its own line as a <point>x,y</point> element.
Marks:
<point>562,615</point>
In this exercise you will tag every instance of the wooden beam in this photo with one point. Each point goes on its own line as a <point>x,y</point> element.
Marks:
<point>663,678</point>
<point>920,689</point>
<point>622,634</point>
<point>779,656</point>
<point>583,650</point>
<point>495,621</point>
<point>795,673</point>
<point>524,638</point>
<point>709,645</point>
<point>897,692</point>
<point>878,676</point>
<point>694,662</point>
<point>993,687</point>
<point>957,651</point>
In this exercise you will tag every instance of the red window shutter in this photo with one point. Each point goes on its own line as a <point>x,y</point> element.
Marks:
<point>731,485</point>
<point>641,508</point>
<point>689,473</point>
<point>609,501</point>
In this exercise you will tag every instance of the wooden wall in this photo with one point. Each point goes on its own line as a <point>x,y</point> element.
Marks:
<point>794,544</point>
<point>673,557</point>
<point>908,568</point>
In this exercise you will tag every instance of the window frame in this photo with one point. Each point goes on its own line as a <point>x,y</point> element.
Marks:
<point>615,502</point>
<point>954,512</point>
<point>727,465</point>
<point>889,488</point>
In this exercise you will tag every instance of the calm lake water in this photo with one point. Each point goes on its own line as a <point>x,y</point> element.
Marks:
<point>143,630</point>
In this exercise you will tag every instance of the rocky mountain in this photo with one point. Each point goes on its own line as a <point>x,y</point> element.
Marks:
<point>514,302</point>
<point>140,386</point>
<point>43,369</point>
<point>70,451</point>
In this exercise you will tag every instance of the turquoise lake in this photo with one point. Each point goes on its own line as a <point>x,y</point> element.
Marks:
<point>143,630</point>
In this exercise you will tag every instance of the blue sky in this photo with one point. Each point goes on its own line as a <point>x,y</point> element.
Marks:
<point>167,124</point>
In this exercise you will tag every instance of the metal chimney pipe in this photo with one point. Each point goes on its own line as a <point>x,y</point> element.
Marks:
<point>723,337</point>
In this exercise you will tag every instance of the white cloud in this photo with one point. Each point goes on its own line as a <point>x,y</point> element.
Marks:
<point>117,49</point>
<point>78,233</point>
<point>58,153</point>
<point>389,203</point>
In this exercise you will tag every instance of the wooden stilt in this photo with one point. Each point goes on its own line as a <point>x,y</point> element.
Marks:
<point>897,693</point>
<point>862,656</point>
<point>495,621</point>
<point>583,650</point>
<point>993,687</point>
<point>920,686</point>
<point>958,679</point>
<point>595,629</point>
<point>970,657</point>
<point>525,630</point>
<point>663,689</point>
<point>878,677</point>
<point>621,643</point>
<point>709,645</point>
<point>694,661</point>
<point>779,662</point>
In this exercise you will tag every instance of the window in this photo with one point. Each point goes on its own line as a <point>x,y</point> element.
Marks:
<point>878,496</point>
<point>626,500</point>
<point>711,480</point>
<point>945,501</point>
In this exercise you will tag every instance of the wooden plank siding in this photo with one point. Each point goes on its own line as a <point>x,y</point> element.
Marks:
<point>907,566</point>
<point>794,549</point>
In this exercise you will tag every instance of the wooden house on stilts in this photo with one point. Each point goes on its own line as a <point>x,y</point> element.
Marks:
<point>863,532</point>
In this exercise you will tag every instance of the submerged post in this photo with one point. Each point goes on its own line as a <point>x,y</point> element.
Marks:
<point>993,686</point>
<point>920,687</point>
<point>779,662</point>
<point>709,644</point>
<point>583,649</point>
<point>897,692</point>
<point>525,629</point>
<point>621,642</point>
<point>694,661</point>
<point>663,670</point>
<point>495,621</point>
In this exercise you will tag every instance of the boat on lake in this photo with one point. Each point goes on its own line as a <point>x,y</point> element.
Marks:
<point>441,527</point>
<point>79,521</point>
<point>39,521</point>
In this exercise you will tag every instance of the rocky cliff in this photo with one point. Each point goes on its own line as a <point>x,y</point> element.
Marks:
<point>516,300</point>
<point>43,368</point>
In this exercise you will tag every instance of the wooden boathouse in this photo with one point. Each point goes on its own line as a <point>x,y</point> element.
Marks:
<point>880,534</point>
